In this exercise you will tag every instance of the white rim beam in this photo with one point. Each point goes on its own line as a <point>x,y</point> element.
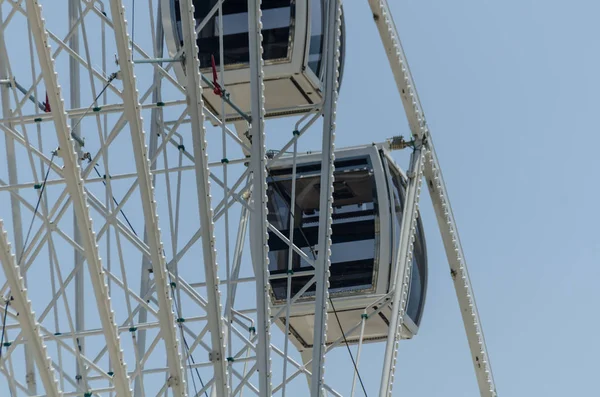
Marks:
<point>132,107</point>
<point>75,99</point>
<point>460,275</point>
<point>332,56</point>
<point>258,217</point>
<point>13,179</point>
<point>145,282</point>
<point>399,65</point>
<point>74,183</point>
<point>26,316</point>
<point>202,172</point>
<point>418,126</point>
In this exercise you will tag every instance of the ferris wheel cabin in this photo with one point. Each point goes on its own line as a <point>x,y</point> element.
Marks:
<point>293,39</point>
<point>368,201</point>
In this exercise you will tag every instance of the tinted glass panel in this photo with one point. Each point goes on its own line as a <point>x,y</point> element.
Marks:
<point>353,250</point>
<point>416,292</point>
<point>316,36</point>
<point>277,18</point>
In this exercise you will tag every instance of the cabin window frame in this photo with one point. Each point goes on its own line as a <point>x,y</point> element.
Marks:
<point>240,74</point>
<point>316,77</point>
<point>381,245</point>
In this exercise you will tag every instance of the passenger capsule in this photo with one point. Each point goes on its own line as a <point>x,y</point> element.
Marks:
<point>368,199</point>
<point>293,36</point>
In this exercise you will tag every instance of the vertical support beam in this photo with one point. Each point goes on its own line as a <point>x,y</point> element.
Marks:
<point>13,179</point>
<point>166,317</point>
<point>74,85</point>
<point>145,281</point>
<point>332,56</point>
<point>195,109</point>
<point>401,283</point>
<point>418,126</point>
<point>460,275</point>
<point>75,188</point>
<point>259,247</point>
<point>26,316</point>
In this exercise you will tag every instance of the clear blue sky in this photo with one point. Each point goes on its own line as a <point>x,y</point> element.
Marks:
<point>510,90</point>
<point>510,93</point>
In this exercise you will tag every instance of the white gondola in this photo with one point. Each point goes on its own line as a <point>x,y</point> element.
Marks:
<point>292,52</point>
<point>368,201</point>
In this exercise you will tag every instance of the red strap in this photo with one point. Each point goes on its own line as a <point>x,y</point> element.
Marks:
<point>217,89</point>
<point>47,105</point>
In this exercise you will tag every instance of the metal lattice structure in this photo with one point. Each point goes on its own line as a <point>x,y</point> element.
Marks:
<point>134,243</point>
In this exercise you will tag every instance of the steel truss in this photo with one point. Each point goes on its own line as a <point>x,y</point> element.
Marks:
<point>116,287</point>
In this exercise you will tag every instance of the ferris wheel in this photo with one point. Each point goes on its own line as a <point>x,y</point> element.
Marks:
<point>164,229</point>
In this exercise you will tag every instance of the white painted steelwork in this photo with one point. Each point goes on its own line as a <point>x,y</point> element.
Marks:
<point>106,299</point>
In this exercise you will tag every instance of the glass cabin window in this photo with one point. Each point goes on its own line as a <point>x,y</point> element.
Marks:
<point>277,20</point>
<point>318,9</point>
<point>316,36</point>
<point>418,272</point>
<point>354,237</point>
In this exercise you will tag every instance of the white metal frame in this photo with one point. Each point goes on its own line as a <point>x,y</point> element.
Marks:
<point>383,245</point>
<point>219,337</point>
<point>258,215</point>
<point>242,74</point>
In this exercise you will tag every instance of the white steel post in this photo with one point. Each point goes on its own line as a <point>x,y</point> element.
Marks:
<point>132,106</point>
<point>332,55</point>
<point>401,283</point>
<point>26,316</point>
<point>258,218</point>
<point>75,85</point>
<point>418,126</point>
<point>11,160</point>
<point>195,108</point>
<point>145,282</point>
<point>74,184</point>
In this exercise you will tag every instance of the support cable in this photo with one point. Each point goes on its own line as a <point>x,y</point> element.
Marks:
<point>348,347</point>
<point>3,326</point>
<point>116,202</point>
<point>37,206</point>
<point>110,80</point>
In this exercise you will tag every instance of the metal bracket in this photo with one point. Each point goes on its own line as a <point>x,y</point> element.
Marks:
<point>214,356</point>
